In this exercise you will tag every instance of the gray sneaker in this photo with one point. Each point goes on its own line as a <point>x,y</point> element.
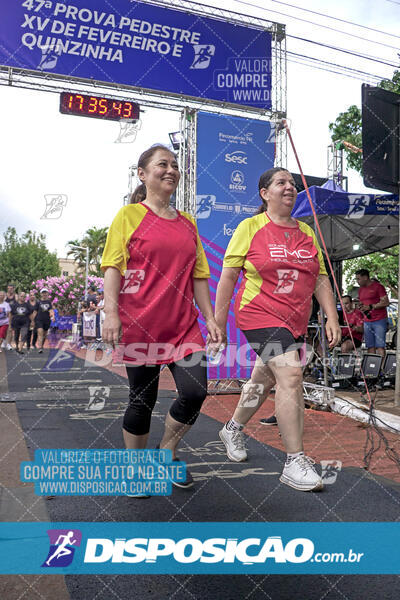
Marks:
<point>234,444</point>
<point>300,474</point>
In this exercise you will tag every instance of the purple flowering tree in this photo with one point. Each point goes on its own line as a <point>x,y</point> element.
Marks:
<point>66,291</point>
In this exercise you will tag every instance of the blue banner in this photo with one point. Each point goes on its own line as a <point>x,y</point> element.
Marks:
<point>232,152</point>
<point>141,45</point>
<point>352,206</point>
<point>199,548</point>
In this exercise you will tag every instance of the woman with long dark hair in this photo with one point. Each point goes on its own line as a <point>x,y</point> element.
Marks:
<point>155,267</point>
<point>283,267</point>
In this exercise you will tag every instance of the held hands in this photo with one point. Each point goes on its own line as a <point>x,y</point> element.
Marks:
<point>216,336</point>
<point>333,332</point>
<point>111,331</point>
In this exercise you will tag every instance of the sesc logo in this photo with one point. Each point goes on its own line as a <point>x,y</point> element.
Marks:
<point>238,156</point>
<point>192,550</point>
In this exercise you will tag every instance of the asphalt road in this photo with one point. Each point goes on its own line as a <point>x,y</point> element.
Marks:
<point>52,404</point>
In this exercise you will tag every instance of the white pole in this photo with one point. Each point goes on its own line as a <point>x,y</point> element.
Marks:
<point>87,273</point>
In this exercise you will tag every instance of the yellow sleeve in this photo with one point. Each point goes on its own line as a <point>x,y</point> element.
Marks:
<point>201,268</point>
<point>309,231</point>
<point>116,249</point>
<point>239,245</point>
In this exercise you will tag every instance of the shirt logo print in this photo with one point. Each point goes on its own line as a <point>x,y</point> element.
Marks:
<point>133,281</point>
<point>287,279</point>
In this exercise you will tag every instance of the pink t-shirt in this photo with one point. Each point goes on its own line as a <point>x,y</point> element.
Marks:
<point>371,294</point>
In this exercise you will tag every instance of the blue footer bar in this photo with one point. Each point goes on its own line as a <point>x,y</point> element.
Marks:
<point>199,548</point>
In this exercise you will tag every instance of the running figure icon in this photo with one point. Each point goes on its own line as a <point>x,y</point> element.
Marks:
<point>62,549</point>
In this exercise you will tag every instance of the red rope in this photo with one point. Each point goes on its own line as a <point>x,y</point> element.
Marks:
<point>303,179</point>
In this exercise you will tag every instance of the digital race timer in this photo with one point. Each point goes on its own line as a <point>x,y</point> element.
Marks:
<point>98,106</point>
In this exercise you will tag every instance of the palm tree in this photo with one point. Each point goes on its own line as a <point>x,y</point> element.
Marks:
<point>95,240</point>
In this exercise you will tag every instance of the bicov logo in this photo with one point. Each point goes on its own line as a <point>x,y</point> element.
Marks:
<point>190,550</point>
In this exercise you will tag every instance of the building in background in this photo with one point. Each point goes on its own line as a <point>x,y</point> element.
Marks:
<point>68,266</point>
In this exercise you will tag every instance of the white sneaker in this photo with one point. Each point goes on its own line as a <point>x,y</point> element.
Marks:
<point>234,444</point>
<point>301,475</point>
<point>9,347</point>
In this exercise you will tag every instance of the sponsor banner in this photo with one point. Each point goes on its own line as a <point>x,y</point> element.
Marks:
<point>141,45</point>
<point>199,548</point>
<point>232,152</point>
<point>351,206</point>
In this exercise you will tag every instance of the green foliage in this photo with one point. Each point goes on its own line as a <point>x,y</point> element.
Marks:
<point>381,265</point>
<point>95,240</point>
<point>347,126</point>
<point>25,257</point>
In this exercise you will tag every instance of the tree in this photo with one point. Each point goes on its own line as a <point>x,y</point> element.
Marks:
<point>381,265</point>
<point>95,240</point>
<point>24,258</point>
<point>347,126</point>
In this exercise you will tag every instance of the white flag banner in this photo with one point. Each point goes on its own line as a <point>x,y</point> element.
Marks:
<point>89,324</point>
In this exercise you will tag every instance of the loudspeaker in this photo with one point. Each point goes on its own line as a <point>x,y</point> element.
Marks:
<point>389,366</point>
<point>380,138</point>
<point>345,365</point>
<point>371,365</point>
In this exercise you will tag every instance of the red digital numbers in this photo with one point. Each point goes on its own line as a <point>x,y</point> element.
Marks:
<point>95,106</point>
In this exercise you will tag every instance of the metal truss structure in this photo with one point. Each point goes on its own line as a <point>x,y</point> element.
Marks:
<point>335,161</point>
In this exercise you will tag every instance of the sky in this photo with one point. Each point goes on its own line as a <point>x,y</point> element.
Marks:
<point>45,153</point>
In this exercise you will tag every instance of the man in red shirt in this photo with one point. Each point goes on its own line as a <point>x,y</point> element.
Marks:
<point>355,319</point>
<point>374,301</point>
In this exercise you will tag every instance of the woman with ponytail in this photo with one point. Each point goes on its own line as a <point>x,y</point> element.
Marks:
<point>155,268</point>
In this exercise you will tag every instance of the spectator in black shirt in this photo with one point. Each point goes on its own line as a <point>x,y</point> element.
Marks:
<point>21,316</point>
<point>44,316</point>
<point>92,295</point>
<point>31,338</point>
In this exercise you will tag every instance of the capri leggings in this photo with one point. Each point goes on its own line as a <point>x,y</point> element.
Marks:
<point>190,375</point>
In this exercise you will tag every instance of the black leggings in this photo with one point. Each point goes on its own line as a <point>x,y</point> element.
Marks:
<point>191,383</point>
<point>31,337</point>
